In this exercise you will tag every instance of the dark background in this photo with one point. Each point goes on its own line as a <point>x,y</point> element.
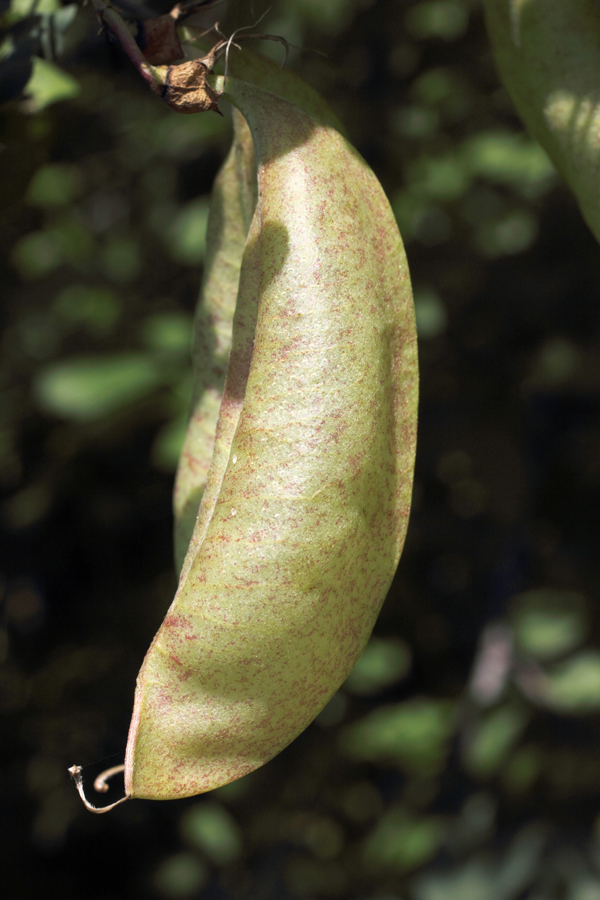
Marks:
<point>461,760</point>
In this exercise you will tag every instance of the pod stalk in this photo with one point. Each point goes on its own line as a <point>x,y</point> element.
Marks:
<point>100,785</point>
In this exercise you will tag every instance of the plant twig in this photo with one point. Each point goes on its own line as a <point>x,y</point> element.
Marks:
<point>113,21</point>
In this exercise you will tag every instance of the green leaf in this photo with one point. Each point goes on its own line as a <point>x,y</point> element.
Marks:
<point>23,8</point>
<point>574,685</point>
<point>180,876</point>
<point>489,741</point>
<point>93,308</point>
<point>508,158</point>
<point>54,28</point>
<point>169,333</point>
<point>549,623</point>
<point>307,877</point>
<point>430,314</point>
<point>445,19</point>
<point>55,184</point>
<point>416,121</point>
<point>329,16</point>
<point>482,877</point>
<point>522,769</point>
<point>555,364</point>
<point>414,735</point>
<point>186,234</point>
<point>86,389</point>
<point>383,662</point>
<point>168,444</point>
<point>40,252</point>
<point>122,259</point>
<point>183,138</point>
<point>49,84</point>
<point>514,232</point>
<point>472,881</point>
<point>445,89</point>
<point>441,178</point>
<point>207,826</point>
<point>402,841</point>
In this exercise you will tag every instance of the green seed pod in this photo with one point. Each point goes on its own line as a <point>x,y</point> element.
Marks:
<point>232,205</point>
<point>288,568</point>
<point>548,55</point>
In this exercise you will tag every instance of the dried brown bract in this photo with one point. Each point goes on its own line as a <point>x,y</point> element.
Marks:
<point>186,89</point>
<point>158,38</point>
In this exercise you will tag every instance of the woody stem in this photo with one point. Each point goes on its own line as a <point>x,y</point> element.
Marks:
<point>117,27</point>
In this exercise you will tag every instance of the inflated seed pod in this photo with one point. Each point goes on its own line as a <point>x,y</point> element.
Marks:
<point>286,574</point>
<point>233,201</point>
<point>232,204</point>
<point>548,55</point>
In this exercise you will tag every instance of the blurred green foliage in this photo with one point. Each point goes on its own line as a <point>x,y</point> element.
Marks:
<point>459,759</point>
<point>382,663</point>
<point>210,828</point>
<point>414,734</point>
<point>574,685</point>
<point>180,875</point>
<point>49,84</point>
<point>187,233</point>
<point>88,388</point>
<point>549,623</point>
<point>402,841</point>
<point>489,741</point>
